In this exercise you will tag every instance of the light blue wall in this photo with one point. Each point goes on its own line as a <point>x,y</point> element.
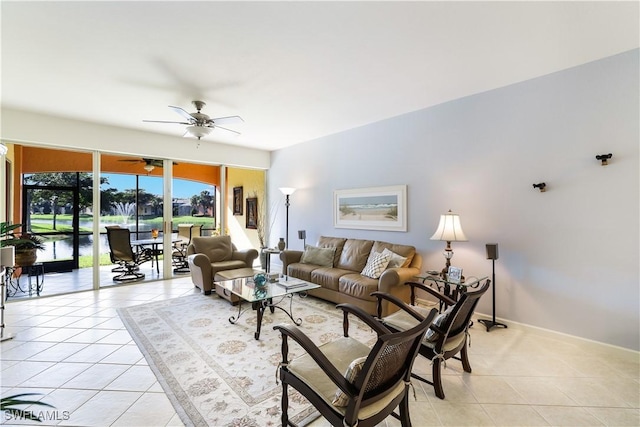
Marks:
<point>568,257</point>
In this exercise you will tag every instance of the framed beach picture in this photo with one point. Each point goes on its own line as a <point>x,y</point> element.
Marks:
<point>374,208</point>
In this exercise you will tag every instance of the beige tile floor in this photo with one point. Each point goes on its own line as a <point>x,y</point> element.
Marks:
<point>75,350</point>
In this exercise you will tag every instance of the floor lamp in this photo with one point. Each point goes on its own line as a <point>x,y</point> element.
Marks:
<point>492,254</point>
<point>287,191</point>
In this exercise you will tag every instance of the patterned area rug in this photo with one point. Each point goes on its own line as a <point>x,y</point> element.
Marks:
<point>214,372</point>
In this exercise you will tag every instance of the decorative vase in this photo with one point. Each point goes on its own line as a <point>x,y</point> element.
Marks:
<point>260,280</point>
<point>281,244</point>
<point>263,258</point>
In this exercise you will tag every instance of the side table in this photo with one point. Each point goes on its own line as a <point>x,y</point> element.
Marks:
<point>13,283</point>
<point>450,289</point>
<point>267,253</point>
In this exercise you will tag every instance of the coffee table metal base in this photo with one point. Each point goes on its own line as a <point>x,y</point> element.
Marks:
<point>261,306</point>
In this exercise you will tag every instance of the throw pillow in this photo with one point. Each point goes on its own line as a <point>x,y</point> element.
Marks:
<point>396,260</point>
<point>376,265</point>
<point>318,256</point>
<point>431,335</point>
<point>354,368</point>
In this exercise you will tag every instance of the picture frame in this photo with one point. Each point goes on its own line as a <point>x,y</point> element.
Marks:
<point>252,213</point>
<point>373,208</point>
<point>454,275</point>
<point>237,200</point>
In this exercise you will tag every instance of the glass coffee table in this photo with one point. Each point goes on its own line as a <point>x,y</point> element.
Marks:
<point>263,298</point>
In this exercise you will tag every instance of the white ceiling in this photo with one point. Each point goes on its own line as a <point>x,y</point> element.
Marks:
<point>294,71</point>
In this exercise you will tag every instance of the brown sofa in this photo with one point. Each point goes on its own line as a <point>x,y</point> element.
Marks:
<point>340,278</point>
<point>209,255</point>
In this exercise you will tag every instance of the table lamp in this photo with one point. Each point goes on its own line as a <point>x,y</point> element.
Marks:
<point>449,230</point>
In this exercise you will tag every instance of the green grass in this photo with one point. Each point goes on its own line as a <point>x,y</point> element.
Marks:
<point>87,260</point>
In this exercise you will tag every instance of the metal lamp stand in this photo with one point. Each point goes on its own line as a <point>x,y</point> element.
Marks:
<point>492,254</point>
<point>4,335</point>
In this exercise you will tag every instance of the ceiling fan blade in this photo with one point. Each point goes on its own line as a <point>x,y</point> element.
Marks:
<point>183,113</point>
<point>227,120</point>
<point>227,129</point>
<point>166,121</point>
<point>131,160</point>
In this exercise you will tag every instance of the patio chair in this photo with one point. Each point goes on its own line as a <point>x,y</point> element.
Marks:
<point>122,254</point>
<point>179,254</point>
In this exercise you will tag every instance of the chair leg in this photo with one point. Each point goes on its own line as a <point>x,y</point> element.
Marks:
<point>437,378</point>
<point>464,357</point>
<point>405,420</point>
<point>285,405</point>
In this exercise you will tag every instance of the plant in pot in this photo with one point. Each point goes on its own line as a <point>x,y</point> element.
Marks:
<point>26,245</point>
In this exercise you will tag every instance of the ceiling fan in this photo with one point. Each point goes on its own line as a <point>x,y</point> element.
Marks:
<point>199,124</point>
<point>149,164</point>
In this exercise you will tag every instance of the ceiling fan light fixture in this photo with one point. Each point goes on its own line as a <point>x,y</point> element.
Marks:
<point>198,131</point>
<point>148,167</point>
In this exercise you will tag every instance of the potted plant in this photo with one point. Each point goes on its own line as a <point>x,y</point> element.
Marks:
<point>26,245</point>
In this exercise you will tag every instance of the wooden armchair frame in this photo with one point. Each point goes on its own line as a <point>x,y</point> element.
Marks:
<point>377,389</point>
<point>448,333</point>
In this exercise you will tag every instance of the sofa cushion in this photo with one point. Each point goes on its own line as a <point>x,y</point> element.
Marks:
<point>396,260</point>
<point>332,242</point>
<point>328,278</point>
<point>318,256</point>
<point>216,248</point>
<point>301,271</point>
<point>353,370</point>
<point>403,250</point>
<point>358,286</point>
<point>376,265</point>
<point>355,254</point>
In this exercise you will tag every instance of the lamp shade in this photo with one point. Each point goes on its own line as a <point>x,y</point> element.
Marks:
<point>287,191</point>
<point>3,149</point>
<point>449,229</point>
<point>199,131</point>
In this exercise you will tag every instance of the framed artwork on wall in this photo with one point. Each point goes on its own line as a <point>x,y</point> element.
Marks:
<point>252,213</point>
<point>237,200</point>
<point>374,208</point>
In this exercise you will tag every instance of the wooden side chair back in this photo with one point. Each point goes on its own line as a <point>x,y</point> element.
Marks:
<point>348,382</point>
<point>447,336</point>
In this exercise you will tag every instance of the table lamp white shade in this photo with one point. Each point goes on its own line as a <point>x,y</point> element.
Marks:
<point>7,256</point>
<point>287,191</point>
<point>3,149</point>
<point>449,229</point>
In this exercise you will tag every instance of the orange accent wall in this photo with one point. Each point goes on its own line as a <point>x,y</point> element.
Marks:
<point>37,159</point>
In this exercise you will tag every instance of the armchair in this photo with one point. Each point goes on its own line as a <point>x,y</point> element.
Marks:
<point>348,382</point>
<point>447,336</point>
<point>122,253</point>
<point>207,256</point>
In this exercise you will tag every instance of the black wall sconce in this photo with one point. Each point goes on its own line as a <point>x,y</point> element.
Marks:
<point>604,158</point>
<point>302,235</point>
<point>541,186</point>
